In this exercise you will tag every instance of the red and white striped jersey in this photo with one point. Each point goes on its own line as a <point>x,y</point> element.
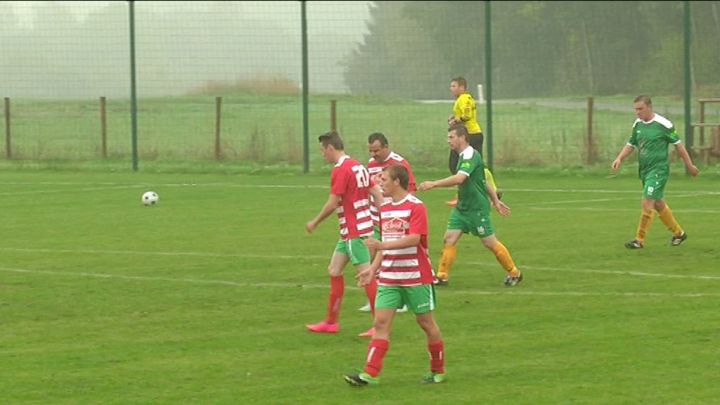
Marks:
<point>350,180</point>
<point>374,167</point>
<point>408,266</point>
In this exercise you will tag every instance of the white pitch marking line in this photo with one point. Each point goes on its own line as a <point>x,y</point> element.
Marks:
<point>681,210</point>
<point>149,184</point>
<point>612,272</point>
<point>686,195</point>
<point>65,191</point>
<point>141,253</point>
<point>514,291</point>
<point>317,257</point>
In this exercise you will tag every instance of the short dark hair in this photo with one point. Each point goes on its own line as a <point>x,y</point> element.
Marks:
<point>378,136</point>
<point>400,173</point>
<point>460,80</point>
<point>460,130</point>
<point>331,138</point>
<point>644,98</point>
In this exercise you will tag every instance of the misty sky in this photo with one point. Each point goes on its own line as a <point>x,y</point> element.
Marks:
<point>80,49</point>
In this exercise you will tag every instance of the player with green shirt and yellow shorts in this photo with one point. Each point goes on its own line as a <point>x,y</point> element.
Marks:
<point>651,135</point>
<point>472,212</point>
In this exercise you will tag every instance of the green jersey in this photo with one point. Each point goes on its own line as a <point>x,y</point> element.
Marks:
<point>472,195</point>
<point>651,139</point>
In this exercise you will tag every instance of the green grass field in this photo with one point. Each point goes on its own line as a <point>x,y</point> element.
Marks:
<point>204,298</point>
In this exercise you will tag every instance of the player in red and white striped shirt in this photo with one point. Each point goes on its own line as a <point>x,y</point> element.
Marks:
<point>405,277</point>
<point>381,156</point>
<point>350,199</point>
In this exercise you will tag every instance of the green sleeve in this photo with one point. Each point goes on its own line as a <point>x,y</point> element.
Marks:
<point>633,137</point>
<point>672,136</point>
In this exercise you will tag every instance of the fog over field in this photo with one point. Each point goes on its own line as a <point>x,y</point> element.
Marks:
<point>81,49</point>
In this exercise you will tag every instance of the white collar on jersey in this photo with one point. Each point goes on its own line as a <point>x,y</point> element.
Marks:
<point>341,160</point>
<point>468,152</point>
<point>392,155</point>
<point>407,197</point>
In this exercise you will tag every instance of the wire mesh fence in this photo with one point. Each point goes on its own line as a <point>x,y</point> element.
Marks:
<point>223,80</point>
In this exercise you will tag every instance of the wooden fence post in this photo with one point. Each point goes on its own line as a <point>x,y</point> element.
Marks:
<point>103,127</point>
<point>218,105</point>
<point>8,144</point>
<point>333,115</point>
<point>590,144</point>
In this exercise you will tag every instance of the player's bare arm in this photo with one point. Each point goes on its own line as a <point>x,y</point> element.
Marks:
<point>364,277</point>
<point>377,195</point>
<point>404,242</point>
<point>500,206</point>
<point>685,156</point>
<point>327,209</point>
<point>454,180</point>
<point>625,152</point>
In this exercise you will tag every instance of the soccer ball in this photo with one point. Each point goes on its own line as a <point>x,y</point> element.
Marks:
<point>150,198</point>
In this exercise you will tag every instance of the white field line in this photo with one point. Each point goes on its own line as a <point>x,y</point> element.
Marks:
<point>504,291</point>
<point>147,253</point>
<point>318,257</point>
<point>685,195</point>
<point>680,210</point>
<point>137,185</point>
<point>610,272</point>
<point>7,193</point>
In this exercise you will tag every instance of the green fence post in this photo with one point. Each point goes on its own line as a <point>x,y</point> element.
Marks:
<point>488,84</point>
<point>133,88</point>
<point>305,97</point>
<point>688,83</point>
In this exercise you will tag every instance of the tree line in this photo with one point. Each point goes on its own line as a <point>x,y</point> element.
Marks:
<point>539,48</point>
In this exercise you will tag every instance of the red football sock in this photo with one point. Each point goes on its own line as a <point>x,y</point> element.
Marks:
<point>437,356</point>
<point>371,291</point>
<point>375,356</point>
<point>337,290</point>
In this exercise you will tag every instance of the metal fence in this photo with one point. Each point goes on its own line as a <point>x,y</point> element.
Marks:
<point>223,81</point>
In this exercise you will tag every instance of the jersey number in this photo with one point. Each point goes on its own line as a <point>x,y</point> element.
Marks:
<point>361,175</point>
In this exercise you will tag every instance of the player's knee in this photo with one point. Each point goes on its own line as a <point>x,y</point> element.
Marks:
<point>334,272</point>
<point>381,324</point>
<point>427,324</point>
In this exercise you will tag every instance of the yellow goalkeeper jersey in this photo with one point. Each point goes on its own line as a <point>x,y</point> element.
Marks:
<point>466,110</point>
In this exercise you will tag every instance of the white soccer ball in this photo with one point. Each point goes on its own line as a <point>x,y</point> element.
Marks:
<point>150,198</point>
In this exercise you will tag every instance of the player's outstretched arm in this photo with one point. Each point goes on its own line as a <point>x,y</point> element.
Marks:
<point>454,180</point>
